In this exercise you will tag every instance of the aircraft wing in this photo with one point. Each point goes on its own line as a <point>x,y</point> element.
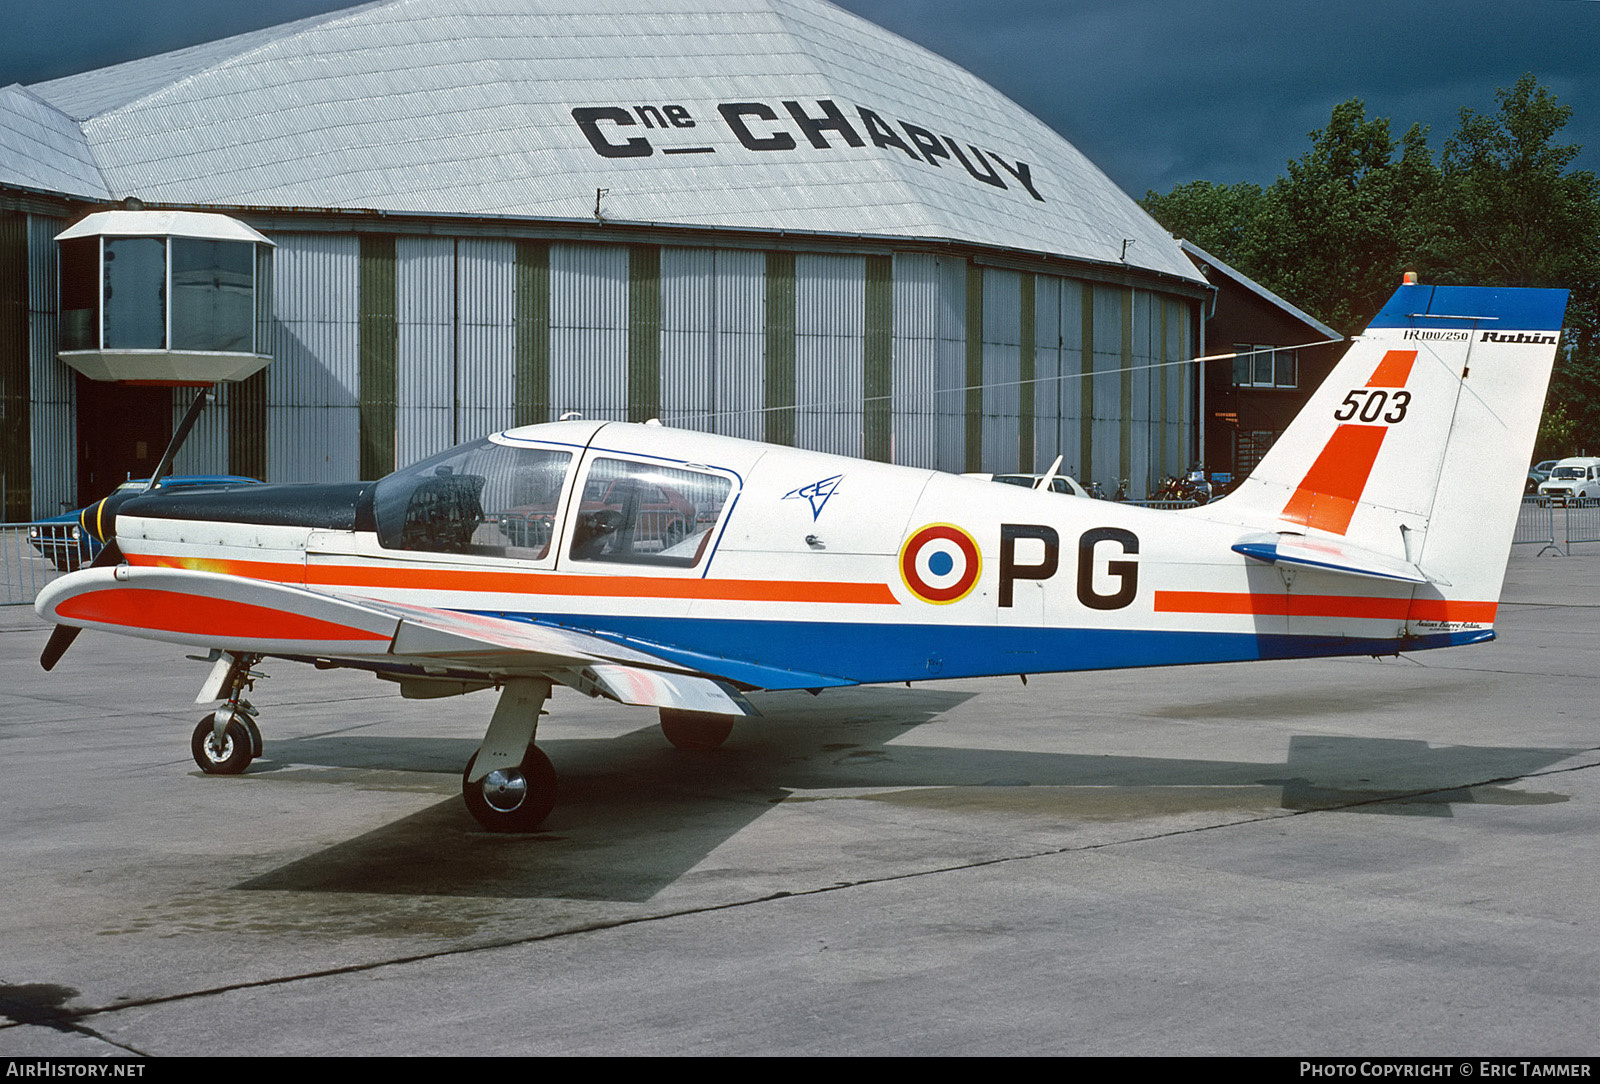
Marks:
<point>205,609</point>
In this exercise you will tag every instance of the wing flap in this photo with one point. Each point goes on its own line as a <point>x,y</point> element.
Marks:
<point>659,689</point>
<point>452,635</point>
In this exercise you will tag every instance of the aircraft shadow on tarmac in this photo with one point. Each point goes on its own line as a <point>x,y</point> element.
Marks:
<point>635,815</point>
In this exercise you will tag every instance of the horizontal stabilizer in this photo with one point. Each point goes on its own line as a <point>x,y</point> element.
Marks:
<point>1325,555</point>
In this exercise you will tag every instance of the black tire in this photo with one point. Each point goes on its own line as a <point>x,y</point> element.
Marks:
<point>231,757</point>
<point>512,801</point>
<point>255,734</point>
<point>697,731</point>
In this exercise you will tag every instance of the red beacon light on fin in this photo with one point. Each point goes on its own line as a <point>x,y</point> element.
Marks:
<point>1409,278</point>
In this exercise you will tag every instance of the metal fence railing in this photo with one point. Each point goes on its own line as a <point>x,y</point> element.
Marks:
<point>1536,524</point>
<point>24,569</point>
<point>1165,506</point>
<point>1583,521</point>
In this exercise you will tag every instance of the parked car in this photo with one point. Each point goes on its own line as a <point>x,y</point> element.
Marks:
<point>1059,483</point>
<point>1572,480</point>
<point>65,543</point>
<point>1539,472</point>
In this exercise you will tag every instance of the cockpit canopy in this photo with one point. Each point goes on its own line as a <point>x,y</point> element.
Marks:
<point>495,499</point>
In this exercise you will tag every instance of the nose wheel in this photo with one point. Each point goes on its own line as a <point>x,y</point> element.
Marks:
<point>228,752</point>
<point>227,740</point>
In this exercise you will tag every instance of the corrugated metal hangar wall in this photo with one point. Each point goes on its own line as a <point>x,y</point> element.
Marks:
<point>392,347</point>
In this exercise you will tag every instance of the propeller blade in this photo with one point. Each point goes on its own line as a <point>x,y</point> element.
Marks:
<point>179,435</point>
<point>60,639</point>
<point>62,636</point>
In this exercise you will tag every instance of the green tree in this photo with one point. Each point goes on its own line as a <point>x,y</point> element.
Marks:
<point>1515,213</point>
<point>1352,214</point>
<point>1503,206</point>
<point>1334,235</point>
<point>1217,217</point>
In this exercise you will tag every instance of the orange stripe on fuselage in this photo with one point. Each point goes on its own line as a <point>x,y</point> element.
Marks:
<point>535,583</point>
<point>1285,605</point>
<point>202,616</point>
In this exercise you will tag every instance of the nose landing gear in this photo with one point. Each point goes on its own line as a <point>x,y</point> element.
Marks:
<point>227,740</point>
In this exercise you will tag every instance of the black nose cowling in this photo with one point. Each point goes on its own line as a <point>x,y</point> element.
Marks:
<point>329,506</point>
<point>99,520</point>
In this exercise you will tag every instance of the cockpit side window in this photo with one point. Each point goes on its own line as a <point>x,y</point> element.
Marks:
<point>488,499</point>
<point>639,513</point>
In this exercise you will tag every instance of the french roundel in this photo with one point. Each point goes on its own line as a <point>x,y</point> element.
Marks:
<point>940,563</point>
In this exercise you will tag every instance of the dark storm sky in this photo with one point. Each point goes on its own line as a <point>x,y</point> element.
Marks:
<point>1156,92</point>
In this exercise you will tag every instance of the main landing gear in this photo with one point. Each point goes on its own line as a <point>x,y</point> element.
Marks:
<point>698,731</point>
<point>227,740</point>
<point>509,784</point>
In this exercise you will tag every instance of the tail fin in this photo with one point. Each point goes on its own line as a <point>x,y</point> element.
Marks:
<point>1408,462</point>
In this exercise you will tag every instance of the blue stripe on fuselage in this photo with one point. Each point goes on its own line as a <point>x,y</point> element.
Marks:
<point>801,654</point>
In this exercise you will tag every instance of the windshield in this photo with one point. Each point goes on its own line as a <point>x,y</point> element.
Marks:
<point>1567,472</point>
<point>494,500</point>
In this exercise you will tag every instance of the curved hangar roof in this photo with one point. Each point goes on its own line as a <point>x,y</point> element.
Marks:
<point>765,114</point>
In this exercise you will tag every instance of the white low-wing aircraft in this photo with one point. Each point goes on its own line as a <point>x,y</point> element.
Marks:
<point>680,570</point>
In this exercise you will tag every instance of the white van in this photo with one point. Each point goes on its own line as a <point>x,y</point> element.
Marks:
<point>1571,480</point>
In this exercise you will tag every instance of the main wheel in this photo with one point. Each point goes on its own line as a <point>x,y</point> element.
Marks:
<point>696,730</point>
<point>512,799</point>
<point>230,756</point>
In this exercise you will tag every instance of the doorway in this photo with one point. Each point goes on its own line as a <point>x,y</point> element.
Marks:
<point>122,431</point>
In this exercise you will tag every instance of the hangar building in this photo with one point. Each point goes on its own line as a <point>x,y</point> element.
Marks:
<point>405,224</point>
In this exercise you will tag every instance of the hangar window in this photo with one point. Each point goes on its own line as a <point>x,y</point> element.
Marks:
<point>135,291</point>
<point>213,295</point>
<point>115,294</point>
<point>168,297</point>
<point>80,294</point>
<point>1264,366</point>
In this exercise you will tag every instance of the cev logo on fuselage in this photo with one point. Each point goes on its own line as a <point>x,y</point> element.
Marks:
<point>941,563</point>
